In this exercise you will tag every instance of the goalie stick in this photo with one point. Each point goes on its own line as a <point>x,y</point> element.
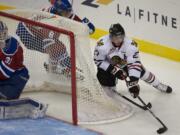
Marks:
<point>160,130</point>
<point>134,103</point>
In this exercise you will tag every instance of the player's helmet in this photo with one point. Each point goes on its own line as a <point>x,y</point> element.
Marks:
<point>116,30</point>
<point>62,5</point>
<point>3,32</point>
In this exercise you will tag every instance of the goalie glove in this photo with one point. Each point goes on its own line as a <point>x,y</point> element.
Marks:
<point>117,72</point>
<point>133,87</point>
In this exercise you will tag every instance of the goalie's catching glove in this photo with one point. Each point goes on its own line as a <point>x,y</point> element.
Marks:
<point>133,87</point>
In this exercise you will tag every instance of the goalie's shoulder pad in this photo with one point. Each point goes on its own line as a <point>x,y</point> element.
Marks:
<point>11,46</point>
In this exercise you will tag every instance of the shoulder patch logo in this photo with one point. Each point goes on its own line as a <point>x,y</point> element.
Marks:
<point>134,43</point>
<point>100,43</point>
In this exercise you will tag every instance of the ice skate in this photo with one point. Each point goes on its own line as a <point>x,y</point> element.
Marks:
<point>164,88</point>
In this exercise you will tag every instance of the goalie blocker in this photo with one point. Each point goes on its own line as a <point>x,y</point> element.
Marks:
<point>22,108</point>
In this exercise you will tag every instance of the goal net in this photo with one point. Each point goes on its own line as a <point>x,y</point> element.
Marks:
<point>58,55</point>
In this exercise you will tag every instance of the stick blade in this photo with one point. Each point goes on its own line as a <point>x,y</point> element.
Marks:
<point>162,130</point>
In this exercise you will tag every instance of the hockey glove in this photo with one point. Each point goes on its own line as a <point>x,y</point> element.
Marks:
<point>89,24</point>
<point>133,87</point>
<point>117,72</point>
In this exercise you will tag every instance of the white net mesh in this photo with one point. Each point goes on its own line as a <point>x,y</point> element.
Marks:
<point>47,56</point>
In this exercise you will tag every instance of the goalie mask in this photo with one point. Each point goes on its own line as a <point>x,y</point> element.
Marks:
<point>3,33</point>
<point>117,34</point>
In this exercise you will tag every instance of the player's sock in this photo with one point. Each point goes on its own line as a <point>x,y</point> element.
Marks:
<point>151,79</point>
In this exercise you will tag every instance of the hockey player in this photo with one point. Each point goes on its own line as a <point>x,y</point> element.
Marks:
<point>13,74</point>
<point>117,57</point>
<point>13,78</point>
<point>64,8</point>
<point>47,41</point>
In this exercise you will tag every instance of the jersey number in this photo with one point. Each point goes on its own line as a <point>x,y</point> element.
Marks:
<point>8,60</point>
<point>51,34</point>
<point>49,41</point>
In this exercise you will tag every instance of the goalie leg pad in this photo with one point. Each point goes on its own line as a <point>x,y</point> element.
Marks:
<point>22,108</point>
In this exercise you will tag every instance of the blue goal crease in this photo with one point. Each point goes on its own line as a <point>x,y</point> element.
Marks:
<point>45,126</point>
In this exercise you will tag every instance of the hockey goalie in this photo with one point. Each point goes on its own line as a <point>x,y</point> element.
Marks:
<point>13,78</point>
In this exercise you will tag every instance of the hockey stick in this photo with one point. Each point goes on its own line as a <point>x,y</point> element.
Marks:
<point>160,130</point>
<point>134,103</point>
